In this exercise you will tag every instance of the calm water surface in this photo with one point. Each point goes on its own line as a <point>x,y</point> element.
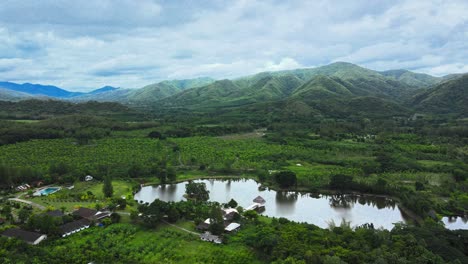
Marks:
<point>454,223</point>
<point>319,210</point>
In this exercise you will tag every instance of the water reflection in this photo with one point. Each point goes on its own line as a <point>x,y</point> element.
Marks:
<point>454,222</point>
<point>311,208</point>
<point>285,202</point>
<point>341,201</point>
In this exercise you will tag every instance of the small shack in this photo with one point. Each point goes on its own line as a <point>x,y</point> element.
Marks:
<point>259,200</point>
<point>88,178</point>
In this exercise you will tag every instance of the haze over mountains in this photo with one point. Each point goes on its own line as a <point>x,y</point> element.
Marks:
<point>334,89</point>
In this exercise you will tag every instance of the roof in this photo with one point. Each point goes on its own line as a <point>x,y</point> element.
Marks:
<point>75,225</point>
<point>100,215</point>
<point>91,214</point>
<point>230,216</point>
<point>55,213</point>
<point>203,226</point>
<point>259,200</point>
<point>85,212</point>
<point>207,236</point>
<point>24,235</point>
<point>232,226</point>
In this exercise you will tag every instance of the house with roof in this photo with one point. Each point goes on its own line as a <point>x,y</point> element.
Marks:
<point>203,226</point>
<point>55,213</point>
<point>74,227</point>
<point>32,238</point>
<point>229,214</point>
<point>207,236</point>
<point>259,200</point>
<point>232,227</point>
<point>91,214</point>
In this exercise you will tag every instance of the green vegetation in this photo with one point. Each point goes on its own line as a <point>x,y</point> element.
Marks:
<point>335,129</point>
<point>125,243</point>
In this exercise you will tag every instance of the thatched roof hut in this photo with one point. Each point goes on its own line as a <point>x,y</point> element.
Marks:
<point>259,200</point>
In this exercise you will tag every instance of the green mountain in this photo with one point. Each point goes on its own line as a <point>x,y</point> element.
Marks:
<point>161,90</point>
<point>10,95</point>
<point>411,78</point>
<point>322,87</point>
<point>450,97</point>
<point>145,95</point>
<point>331,81</point>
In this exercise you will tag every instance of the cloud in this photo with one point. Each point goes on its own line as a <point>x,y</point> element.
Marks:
<point>86,44</point>
<point>284,64</point>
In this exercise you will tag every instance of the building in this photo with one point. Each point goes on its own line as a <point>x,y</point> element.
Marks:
<point>207,236</point>
<point>55,213</point>
<point>91,214</point>
<point>256,206</point>
<point>32,238</point>
<point>203,226</point>
<point>74,227</point>
<point>229,214</point>
<point>88,178</point>
<point>259,200</point>
<point>232,227</point>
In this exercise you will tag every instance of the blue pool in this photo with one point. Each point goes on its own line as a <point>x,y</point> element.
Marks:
<point>46,191</point>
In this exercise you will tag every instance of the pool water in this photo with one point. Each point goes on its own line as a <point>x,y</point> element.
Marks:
<point>47,191</point>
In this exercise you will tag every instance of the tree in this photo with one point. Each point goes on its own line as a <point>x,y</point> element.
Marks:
<point>115,218</point>
<point>285,178</point>
<point>171,174</point>
<point>341,182</point>
<point>23,214</point>
<point>155,134</point>
<point>419,186</point>
<point>173,214</point>
<point>217,222</point>
<point>107,188</point>
<point>6,211</point>
<point>197,191</point>
<point>232,203</point>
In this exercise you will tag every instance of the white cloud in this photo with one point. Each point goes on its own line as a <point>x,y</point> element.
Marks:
<point>83,45</point>
<point>284,64</point>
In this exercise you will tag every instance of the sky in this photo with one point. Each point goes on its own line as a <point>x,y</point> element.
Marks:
<point>82,45</point>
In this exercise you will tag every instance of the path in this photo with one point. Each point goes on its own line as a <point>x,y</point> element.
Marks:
<point>28,202</point>
<point>181,228</point>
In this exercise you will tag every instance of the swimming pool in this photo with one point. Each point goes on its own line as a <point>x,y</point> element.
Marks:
<point>46,191</point>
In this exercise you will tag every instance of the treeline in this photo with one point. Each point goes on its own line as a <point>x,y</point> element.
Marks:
<point>43,109</point>
<point>282,241</point>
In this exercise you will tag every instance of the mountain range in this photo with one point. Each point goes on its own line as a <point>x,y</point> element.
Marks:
<point>337,89</point>
<point>27,90</point>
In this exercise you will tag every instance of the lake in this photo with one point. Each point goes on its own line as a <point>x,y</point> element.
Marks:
<point>319,210</point>
<point>454,223</point>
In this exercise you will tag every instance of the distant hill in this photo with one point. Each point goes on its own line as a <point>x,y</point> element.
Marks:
<point>41,109</point>
<point>103,90</point>
<point>39,89</point>
<point>450,97</point>
<point>337,89</point>
<point>411,78</point>
<point>337,80</point>
<point>161,90</point>
<point>10,95</point>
